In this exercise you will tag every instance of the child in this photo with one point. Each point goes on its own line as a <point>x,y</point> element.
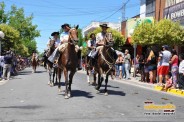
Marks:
<point>168,83</point>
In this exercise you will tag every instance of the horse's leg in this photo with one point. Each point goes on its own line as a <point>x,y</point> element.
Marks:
<point>87,71</point>
<point>56,76</point>
<point>106,82</point>
<point>70,82</point>
<point>66,83</point>
<point>50,74</point>
<point>53,75</point>
<point>94,77</point>
<point>98,85</point>
<point>59,78</point>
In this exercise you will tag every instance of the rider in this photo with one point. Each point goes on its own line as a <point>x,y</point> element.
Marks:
<point>63,43</point>
<point>91,44</point>
<point>55,38</point>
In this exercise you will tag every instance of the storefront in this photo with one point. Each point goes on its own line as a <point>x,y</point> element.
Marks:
<point>175,13</point>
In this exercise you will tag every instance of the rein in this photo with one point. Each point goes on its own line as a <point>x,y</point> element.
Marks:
<point>107,62</point>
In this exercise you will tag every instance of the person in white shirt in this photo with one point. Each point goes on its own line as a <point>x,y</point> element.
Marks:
<point>63,40</point>
<point>181,72</point>
<point>55,40</point>
<point>164,59</point>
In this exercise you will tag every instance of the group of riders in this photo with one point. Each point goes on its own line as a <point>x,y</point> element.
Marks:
<point>94,44</point>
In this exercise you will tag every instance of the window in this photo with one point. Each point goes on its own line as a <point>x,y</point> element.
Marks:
<point>150,8</point>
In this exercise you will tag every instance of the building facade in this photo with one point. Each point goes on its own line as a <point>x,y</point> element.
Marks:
<point>93,25</point>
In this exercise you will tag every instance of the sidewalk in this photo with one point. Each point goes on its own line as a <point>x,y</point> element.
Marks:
<point>135,82</point>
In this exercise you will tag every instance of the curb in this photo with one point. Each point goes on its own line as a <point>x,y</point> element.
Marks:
<point>171,91</point>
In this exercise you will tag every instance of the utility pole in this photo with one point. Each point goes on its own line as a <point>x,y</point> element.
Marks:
<point>124,10</point>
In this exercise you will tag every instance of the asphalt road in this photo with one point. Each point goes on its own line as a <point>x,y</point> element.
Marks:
<point>27,97</point>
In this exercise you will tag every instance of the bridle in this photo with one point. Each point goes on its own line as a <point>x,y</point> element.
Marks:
<point>73,40</point>
<point>109,42</point>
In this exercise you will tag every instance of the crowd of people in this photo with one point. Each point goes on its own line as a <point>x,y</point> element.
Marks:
<point>165,68</point>
<point>10,64</point>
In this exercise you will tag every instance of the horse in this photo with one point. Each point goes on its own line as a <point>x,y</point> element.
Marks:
<point>105,62</point>
<point>34,63</point>
<point>52,69</point>
<point>89,67</point>
<point>68,61</point>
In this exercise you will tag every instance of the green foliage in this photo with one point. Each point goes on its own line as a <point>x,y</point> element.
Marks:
<point>118,38</point>
<point>84,51</point>
<point>162,32</point>
<point>27,31</point>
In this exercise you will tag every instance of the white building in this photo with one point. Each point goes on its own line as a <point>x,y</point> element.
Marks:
<point>147,8</point>
<point>93,25</point>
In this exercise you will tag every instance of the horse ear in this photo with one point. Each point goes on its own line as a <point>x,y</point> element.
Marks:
<point>77,27</point>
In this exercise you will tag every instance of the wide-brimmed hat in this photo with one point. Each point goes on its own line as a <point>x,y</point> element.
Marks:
<point>55,33</point>
<point>91,35</point>
<point>64,25</point>
<point>104,25</point>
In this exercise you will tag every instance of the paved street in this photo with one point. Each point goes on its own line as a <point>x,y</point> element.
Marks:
<point>27,97</point>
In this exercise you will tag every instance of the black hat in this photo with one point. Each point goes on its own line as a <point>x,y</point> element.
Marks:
<point>64,25</point>
<point>55,33</point>
<point>91,35</point>
<point>104,25</point>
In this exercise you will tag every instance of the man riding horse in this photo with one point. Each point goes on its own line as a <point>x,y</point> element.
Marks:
<point>63,44</point>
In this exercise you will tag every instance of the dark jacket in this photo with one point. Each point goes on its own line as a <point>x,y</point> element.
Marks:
<point>8,59</point>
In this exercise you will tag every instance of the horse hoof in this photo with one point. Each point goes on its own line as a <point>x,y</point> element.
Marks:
<point>69,95</point>
<point>51,85</point>
<point>66,97</point>
<point>97,91</point>
<point>106,94</point>
<point>59,90</point>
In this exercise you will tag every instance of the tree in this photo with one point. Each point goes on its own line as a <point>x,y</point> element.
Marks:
<point>11,40</point>
<point>17,19</point>
<point>118,38</point>
<point>159,33</point>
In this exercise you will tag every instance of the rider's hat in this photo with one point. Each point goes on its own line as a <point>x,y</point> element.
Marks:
<point>104,25</point>
<point>55,33</point>
<point>64,25</point>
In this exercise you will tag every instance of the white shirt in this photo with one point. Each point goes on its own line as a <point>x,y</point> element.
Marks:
<point>64,36</point>
<point>99,37</point>
<point>89,43</point>
<point>57,42</point>
<point>181,67</point>
<point>165,58</point>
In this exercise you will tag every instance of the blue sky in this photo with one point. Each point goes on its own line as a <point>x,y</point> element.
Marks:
<point>49,15</point>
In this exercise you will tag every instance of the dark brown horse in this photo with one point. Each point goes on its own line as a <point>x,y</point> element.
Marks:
<point>105,61</point>
<point>68,61</point>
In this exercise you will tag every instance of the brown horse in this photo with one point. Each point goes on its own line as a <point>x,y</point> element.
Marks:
<point>34,63</point>
<point>105,61</point>
<point>68,61</point>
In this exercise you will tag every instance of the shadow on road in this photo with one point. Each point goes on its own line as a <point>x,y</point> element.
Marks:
<point>25,73</point>
<point>23,107</point>
<point>79,93</point>
<point>110,86</point>
<point>113,92</point>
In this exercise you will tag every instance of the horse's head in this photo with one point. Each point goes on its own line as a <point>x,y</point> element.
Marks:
<point>109,41</point>
<point>73,35</point>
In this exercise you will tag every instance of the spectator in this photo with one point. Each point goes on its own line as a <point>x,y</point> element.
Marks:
<point>127,61</point>
<point>136,64</point>
<point>119,62</point>
<point>164,59</point>
<point>141,68</point>
<point>152,66</point>
<point>181,72</point>
<point>1,64</point>
<point>174,67</point>
<point>168,83</point>
<point>7,65</point>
